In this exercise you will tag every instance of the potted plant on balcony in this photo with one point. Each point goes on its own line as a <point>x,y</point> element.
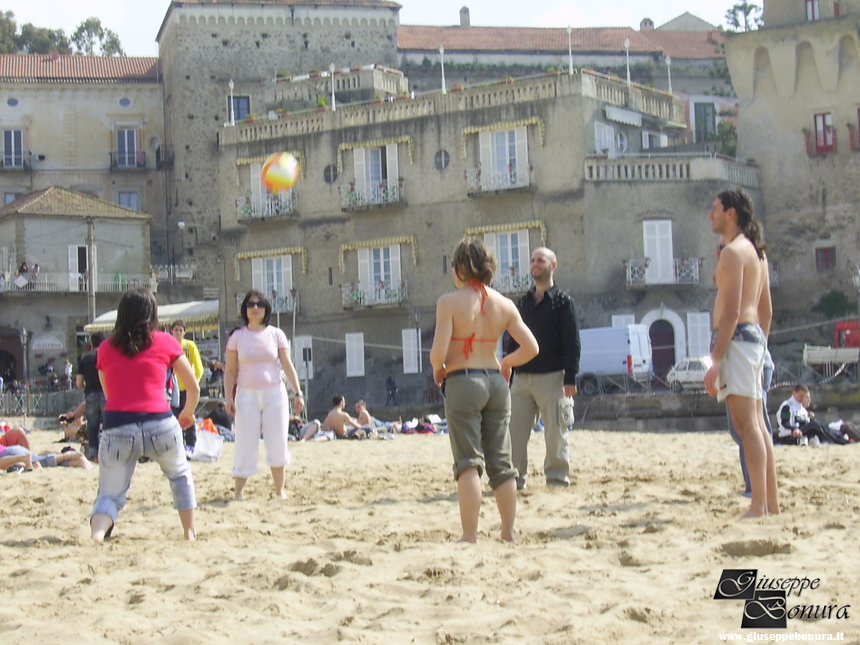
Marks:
<point>457,87</point>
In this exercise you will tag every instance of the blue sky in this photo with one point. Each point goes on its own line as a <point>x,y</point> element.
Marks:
<point>137,21</point>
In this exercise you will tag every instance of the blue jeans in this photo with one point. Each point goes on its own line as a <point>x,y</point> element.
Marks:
<point>121,447</point>
<point>95,416</point>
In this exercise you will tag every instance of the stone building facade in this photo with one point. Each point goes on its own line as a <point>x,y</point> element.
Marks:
<point>797,80</point>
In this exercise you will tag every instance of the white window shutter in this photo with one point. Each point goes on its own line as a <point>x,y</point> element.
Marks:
<point>485,140</point>
<point>699,333</point>
<point>256,181</point>
<point>410,350</point>
<point>622,320</point>
<point>645,140</point>
<point>305,371</point>
<point>525,255</point>
<point>664,140</point>
<point>359,156</point>
<point>491,240</point>
<point>522,146</point>
<point>364,280</point>
<point>74,283</point>
<point>657,236</point>
<point>287,272</point>
<point>355,354</point>
<point>395,266</point>
<point>257,278</point>
<point>393,168</point>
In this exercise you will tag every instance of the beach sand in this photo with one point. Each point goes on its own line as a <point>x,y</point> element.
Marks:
<point>364,549</point>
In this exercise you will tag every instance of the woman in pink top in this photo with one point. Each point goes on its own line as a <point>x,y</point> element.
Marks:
<point>137,421</point>
<point>256,353</point>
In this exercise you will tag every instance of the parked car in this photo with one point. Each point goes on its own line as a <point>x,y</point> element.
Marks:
<point>689,373</point>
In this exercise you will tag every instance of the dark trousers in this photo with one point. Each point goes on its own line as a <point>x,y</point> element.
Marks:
<point>811,429</point>
<point>189,434</point>
<point>95,412</point>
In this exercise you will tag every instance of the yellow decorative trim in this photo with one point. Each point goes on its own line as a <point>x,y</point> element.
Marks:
<point>515,226</point>
<point>194,323</point>
<point>292,250</point>
<point>300,157</point>
<point>373,244</point>
<point>376,143</point>
<point>506,125</point>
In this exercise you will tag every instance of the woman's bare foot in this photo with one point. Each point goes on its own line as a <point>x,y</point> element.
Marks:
<point>469,540</point>
<point>750,514</point>
<point>191,535</point>
<point>282,494</point>
<point>509,536</point>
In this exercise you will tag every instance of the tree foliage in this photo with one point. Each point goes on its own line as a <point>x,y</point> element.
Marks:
<point>744,16</point>
<point>90,36</point>
<point>727,135</point>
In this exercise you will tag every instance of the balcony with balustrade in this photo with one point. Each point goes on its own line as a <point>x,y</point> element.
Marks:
<point>355,296</point>
<point>512,284</point>
<point>486,181</point>
<point>286,303</point>
<point>685,271</point>
<point>665,167</point>
<point>377,194</point>
<point>45,282</point>
<point>280,206</point>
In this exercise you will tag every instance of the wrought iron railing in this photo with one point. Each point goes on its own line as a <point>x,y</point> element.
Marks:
<point>174,273</point>
<point>372,195</point>
<point>127,159</point>
<point>273,206</point>
<point>487,180</point>
<point>685,271</point>
<point>512,283</point>
<point>280,304</point>
<point>77,282</point>
<point>383,294</point>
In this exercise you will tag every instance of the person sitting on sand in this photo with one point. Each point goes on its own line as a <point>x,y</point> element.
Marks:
<point>369,422</point>
<point>21,455</point>
<point>303,430</point>
<point>71,422</point>
<point>337,420</point>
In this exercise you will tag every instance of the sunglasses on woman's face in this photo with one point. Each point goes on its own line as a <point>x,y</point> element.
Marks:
<point>255,304</point>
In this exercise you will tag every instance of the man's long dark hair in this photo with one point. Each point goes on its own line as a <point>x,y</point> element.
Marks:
<point>136,319</point>
<point>752,230</point>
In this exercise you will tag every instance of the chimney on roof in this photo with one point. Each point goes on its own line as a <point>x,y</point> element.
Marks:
<point>464,17</point>
<point>55,55</point>
<point>646,25</point>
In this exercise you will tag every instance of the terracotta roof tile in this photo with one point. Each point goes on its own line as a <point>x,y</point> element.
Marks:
<point>42,68</point>
<point>530,39</point>
<point>67,203</point>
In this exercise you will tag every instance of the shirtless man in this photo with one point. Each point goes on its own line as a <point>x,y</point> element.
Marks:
<point>742,316</point>
<point>369,422</point>
<point>336,421</point>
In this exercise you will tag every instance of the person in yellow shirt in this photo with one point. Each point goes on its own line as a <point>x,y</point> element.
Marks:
<point>177,329</point>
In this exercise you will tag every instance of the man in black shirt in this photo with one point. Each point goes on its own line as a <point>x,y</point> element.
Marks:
<point>544,386</point>
<point>87,379</point>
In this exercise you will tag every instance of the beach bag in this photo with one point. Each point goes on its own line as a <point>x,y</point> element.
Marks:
<point>209,442</point>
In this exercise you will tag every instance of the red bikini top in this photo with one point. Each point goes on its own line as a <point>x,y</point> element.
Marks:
<point>467,342</point>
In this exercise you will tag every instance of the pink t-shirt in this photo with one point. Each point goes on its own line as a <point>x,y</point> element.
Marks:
<point>138,384</point>
<point>259,368</point>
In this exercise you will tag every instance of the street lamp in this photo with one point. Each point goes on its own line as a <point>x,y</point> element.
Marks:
<point>416,320</point>
<point>331,72</point>
<point>24,336</point>
<point>627,55</point>
<point>276,307</point>
<point>232,106</point>
<point>569,52</point>
<point>669,71</point>
<point>442,63</point>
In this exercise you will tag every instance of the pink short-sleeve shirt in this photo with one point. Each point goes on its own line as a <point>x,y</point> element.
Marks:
<point>257,351</point>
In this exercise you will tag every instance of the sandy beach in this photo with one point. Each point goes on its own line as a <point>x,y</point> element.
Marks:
<point>364,549</point>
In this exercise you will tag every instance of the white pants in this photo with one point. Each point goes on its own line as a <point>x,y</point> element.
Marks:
<point>266,411</point>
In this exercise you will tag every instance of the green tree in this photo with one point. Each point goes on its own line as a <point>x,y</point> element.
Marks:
<point>744,16</point>
<point>39,40</point>
<point>727,135</point>
<point>90,35</point>
<point>8,33</point>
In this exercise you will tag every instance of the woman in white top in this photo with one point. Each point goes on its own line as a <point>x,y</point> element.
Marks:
<point>255,355</point>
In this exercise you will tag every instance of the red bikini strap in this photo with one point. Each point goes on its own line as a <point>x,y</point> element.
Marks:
<point>477,286</point>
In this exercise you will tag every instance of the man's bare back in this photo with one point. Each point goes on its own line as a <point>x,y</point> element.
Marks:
<point>336,421</point>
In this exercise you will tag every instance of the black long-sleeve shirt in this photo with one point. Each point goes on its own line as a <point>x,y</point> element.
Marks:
<point>553,323</point>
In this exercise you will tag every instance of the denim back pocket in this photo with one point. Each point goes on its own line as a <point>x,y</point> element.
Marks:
<point>114,449</point>
<point>565,411</point>
<point>164,442</point>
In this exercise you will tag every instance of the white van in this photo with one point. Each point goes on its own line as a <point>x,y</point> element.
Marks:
<point>614,359</point>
